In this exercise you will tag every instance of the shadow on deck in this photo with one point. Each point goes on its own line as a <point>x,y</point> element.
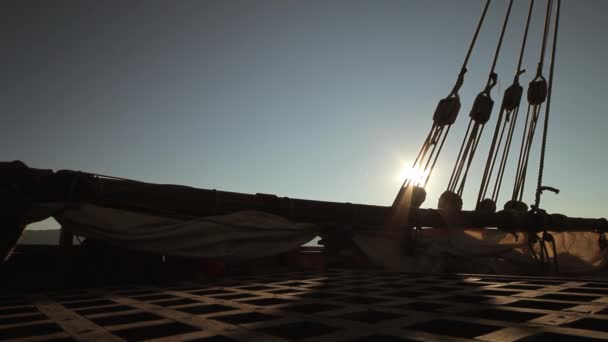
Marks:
<point>276,304</point>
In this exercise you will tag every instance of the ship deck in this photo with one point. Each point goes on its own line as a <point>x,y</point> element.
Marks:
<point>334,305</point>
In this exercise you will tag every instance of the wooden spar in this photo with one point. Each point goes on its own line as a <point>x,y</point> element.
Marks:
<point>187,202</point>
<point>510,221</point>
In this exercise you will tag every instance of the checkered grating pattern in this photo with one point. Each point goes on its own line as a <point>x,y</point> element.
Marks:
<point>337,305</point>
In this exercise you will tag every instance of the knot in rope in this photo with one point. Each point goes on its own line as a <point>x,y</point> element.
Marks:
<point>492,79</point>
<point>517,74</point>
<point>459,82</point>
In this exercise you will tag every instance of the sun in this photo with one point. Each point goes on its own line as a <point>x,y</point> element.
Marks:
<point>416,176</point>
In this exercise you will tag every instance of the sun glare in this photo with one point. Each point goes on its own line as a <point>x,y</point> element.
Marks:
<point>415,175</point>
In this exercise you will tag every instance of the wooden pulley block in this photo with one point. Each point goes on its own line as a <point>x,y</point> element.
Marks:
<point>482,108</point>
<point>537,91</point>
<point>517,206</point>
<point>487,206</point>
<point>512,97</point>
<point>450,202</point>
<point>447,111</point>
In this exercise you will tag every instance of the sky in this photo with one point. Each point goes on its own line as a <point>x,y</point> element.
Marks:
<point>315,99</point>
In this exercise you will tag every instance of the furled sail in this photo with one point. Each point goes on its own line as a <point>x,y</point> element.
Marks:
<point>198,223</point>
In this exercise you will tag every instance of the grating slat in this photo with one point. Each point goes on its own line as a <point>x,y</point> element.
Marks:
<point>336,305</point>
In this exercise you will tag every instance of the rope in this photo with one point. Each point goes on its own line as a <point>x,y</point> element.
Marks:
<point>521,181</point>
<point>436,136</point>
<point>481,19</point>
<point>420,156</point>
<point>519,161</point>
<point>545,34</point>
<point>532,239</point>
<point>549,238</point>
<point>445,115</point>
<point>523,43</point>
<point>505,157</point>
<point>509,111</point>
<point>451,183</point>
<point>546,237</point>
<point>463,69</point>
<point>502,35</point>
<point>473,150</point>
<point>437,155</point>
<point>543,150</point>
<point>480,114</point>
<point>491,157</point>
<point>535,98</point>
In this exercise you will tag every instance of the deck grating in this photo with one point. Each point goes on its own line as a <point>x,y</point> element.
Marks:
<point>337,305</point>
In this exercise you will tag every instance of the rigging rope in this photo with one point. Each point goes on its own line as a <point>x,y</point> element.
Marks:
<point>546,237</point>
<point>537,94</point>
<point>479,116</point>
<point>444,116</point>
<point>540,188</point>
<point>509,111</point>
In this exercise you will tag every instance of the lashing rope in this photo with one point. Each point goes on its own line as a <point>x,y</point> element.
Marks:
<point>551,240</point>
<point>543,258</point>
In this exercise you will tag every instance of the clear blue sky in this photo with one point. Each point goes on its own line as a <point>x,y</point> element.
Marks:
<point>309,99</point>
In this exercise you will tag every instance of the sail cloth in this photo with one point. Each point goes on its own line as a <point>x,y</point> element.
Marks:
<point>483,251</point>
<point>251,234</point>
<point>243,234</point>
<point>199,223</point>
